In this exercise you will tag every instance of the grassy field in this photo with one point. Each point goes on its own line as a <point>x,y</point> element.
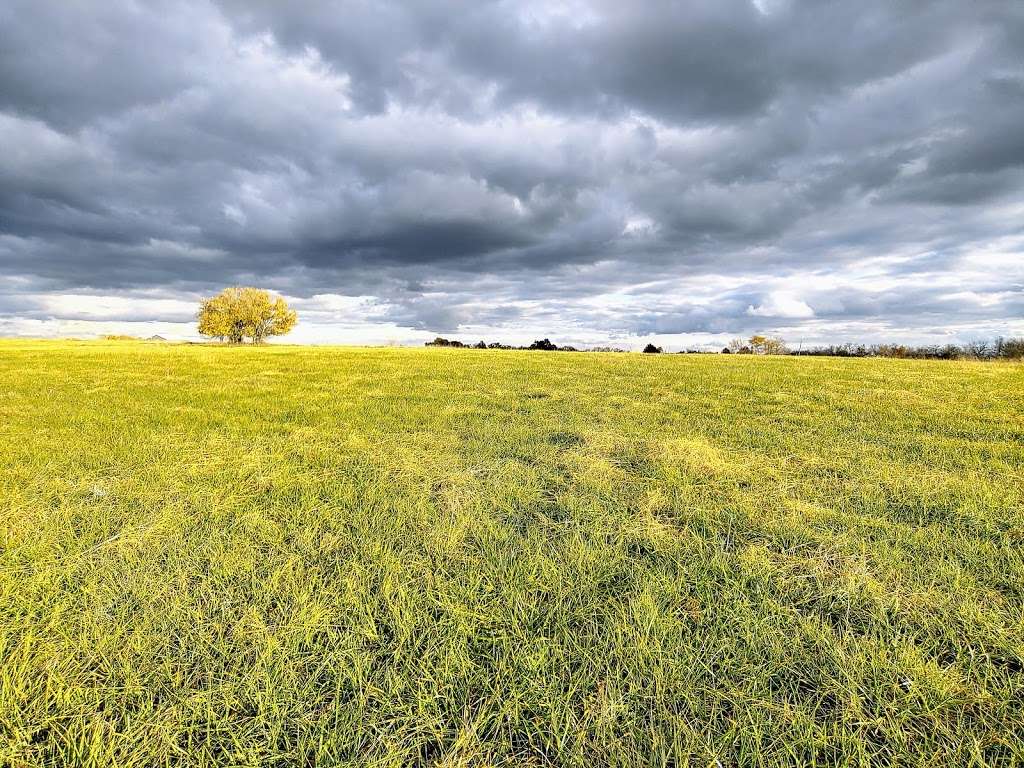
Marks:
<point>285,556</point>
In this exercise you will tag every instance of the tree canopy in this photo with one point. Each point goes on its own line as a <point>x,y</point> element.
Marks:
<point>758,345</point>
<point>239,313</point>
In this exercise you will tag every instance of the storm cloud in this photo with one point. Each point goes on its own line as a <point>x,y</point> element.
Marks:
<point>589,171</point>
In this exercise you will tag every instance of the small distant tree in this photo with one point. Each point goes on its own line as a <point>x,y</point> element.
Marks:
<point>441,341</point>
<point>978,350</point>
<point>240,313</point>
<point>767,345</point>
<point>1012,349</point>
<point>650,349</point>
<point>544,344</point>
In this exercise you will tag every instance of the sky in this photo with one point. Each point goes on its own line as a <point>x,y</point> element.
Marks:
<point>599,172</point>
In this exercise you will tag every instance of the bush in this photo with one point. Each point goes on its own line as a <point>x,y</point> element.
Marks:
<point>650,349</point>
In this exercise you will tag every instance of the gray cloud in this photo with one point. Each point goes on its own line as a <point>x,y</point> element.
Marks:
<point>589,166</point>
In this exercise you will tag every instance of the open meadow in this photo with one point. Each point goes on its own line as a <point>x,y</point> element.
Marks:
<point>284,556</point>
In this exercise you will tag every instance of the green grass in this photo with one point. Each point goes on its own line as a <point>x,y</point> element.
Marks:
<point>285,556</point>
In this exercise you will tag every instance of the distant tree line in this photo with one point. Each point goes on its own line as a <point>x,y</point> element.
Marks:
<point>544,345</point>
<point>999,349</point>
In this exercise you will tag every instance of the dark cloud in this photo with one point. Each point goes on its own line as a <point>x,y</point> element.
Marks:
<point>705,167</point>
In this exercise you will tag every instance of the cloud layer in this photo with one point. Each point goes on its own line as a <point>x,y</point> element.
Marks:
<point>590,171</point>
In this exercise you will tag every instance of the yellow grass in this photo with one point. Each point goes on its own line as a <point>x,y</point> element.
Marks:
<point>296,556</point>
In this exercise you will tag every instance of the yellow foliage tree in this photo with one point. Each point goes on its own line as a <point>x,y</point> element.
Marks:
<point>238,313</point>
<point>767,345</point>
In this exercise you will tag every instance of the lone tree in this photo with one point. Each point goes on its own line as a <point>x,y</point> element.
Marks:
<point>236,314</point>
